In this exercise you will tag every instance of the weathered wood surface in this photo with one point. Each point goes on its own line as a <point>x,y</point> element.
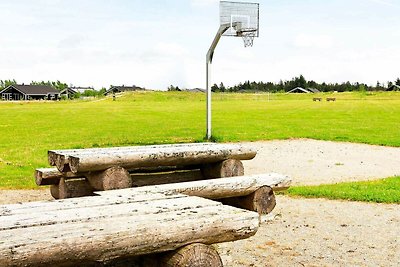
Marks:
<point>214,188</point>
<point>148,156</point>
<point>77,232</point>
<point>194,255</point>
<point>52,154</point>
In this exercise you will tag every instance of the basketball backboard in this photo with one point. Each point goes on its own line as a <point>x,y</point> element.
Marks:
<point>241,17</point>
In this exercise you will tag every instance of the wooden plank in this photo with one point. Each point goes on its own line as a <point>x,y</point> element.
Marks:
<point>159,157</point>
<point>108,238</point>
<point>213,188</point>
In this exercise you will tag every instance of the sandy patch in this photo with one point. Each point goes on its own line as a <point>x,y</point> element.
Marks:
<point>311,162</point>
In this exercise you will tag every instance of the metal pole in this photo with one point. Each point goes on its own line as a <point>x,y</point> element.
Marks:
<point>209,58</point>
<point>208,66</point>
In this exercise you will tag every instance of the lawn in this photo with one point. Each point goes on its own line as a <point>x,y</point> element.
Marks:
<point>29,129</point>
<point>380,191</point>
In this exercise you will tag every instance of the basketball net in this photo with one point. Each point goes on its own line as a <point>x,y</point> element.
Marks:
<point>248,37</point>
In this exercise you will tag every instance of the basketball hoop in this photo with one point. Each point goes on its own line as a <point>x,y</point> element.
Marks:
<point>247,36</point>
<point>237,19</point>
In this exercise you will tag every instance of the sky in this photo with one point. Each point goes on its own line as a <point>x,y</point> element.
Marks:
<point>159,43</point>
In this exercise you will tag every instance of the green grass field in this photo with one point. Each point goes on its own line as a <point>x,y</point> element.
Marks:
<point>29,129</point>
<point>380,191</point>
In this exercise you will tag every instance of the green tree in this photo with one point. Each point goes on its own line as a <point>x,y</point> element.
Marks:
<point>6,83</point>
<point>214,88</point>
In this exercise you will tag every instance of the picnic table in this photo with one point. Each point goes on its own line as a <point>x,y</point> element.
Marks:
<point>79,172</point>
<point>178,222</point>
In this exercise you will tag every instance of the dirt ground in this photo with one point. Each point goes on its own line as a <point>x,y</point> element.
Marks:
<point>311,232</point>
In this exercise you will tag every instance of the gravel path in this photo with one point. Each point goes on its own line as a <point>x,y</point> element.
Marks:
<point>311,232</point>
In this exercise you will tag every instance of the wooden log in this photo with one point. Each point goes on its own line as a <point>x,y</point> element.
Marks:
<point>104,237</point>
<point>262,201</point>
<point>214,188</point>
<point>110,179</point>
<point>159,157</point>
<point>155,175</point>
<point>226,168</point>
<point>193,255</point>
<point>71,188</point>
<point>52,176</point>
<point>52,154</point>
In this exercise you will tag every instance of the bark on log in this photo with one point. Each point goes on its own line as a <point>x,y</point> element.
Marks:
<point>193,255</point>
<point>52,176</point>
<point>182,155</point>
<point>105,232</point>
<point>226,168</point>
<point>262,201</point>
<point>110,179</point>
<point>70,188</point>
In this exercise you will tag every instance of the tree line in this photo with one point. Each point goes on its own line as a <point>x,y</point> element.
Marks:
<point>285,86</point>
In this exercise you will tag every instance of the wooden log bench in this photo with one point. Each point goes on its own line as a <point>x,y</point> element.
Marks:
<point>175,220</point>
<point>317,99</point>
<point>79,172</point>
<point>331,99</point>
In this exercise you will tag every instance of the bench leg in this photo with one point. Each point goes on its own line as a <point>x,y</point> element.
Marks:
<point>110,179</point>
<point>262,201</point>
<point>194,255</point>
<point>226,168</point>
<point>70,188</point>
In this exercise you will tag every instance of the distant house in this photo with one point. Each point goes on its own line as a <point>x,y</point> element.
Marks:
<point>81,90</point>
<point>299,90</point>
<point>120,89</point>
<point>29,92</point>
<point>313,90</point>
<point>196,90</point>
<point>394,87</point>
<point>68,92</point>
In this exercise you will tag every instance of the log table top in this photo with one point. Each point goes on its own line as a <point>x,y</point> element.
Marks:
<point>98,159</point>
